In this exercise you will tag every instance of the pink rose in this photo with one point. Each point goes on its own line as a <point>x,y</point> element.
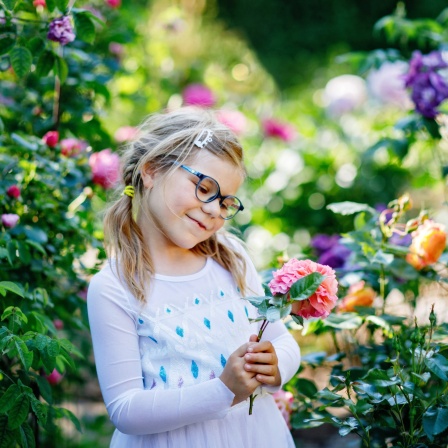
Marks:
<point>54,378</point>
<point>321,302</point>
<point>51,138</point>
<point>13,191</point>
<point>233,119</point>
<point>275,128</point>
<point>198,95</point>
<point>105,168</point>
<point>10,220</point>
<point>284,402</point>
<point>125,133</point>
<point>71,147</point>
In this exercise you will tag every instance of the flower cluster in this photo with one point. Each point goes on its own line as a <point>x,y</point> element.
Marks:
<point>61,31</point>
<point>428,83</point>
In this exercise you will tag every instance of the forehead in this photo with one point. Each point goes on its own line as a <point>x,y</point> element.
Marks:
<point>228,175</point>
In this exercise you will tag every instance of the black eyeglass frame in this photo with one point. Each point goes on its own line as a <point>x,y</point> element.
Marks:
<point>218,195</point>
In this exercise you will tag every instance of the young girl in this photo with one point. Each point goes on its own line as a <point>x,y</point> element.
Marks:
<point>175,353</point>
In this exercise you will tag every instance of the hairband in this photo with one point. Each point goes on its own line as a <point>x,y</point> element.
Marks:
<point>204,137</point>
<point>129,190</point>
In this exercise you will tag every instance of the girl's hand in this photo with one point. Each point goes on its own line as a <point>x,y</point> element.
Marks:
<point>240,381</point>
<point>262,361</point>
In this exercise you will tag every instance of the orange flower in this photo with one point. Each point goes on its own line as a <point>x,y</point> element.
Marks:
<point>358,295</point>
<point>428,244</point>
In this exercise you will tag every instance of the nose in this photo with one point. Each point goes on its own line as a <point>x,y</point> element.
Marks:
<point>212,208</point>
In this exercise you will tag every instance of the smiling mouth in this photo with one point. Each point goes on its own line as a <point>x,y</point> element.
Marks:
<point>200,225</point>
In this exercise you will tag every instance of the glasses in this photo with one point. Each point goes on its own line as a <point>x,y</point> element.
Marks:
<point>207,190</point>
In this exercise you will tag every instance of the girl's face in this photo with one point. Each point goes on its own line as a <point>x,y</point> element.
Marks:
<point>180,220</point>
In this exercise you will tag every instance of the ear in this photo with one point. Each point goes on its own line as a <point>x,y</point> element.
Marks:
<point>147,175</point>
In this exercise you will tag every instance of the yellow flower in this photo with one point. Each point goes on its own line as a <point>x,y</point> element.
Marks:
<point>428,244</point>
<point>358,295</point>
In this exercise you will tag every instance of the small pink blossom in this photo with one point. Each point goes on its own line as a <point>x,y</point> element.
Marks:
<point>51,138</point>
<point>58,324</point>
<point>13,191</point>
<point>275,128</point>
<point>105,168</point>
<point>113,3</point>
<point>284,402</point>
<point>10,220</point>
<point>198,95</point>
<point>71,147</point>
<point>54,378</point>
<point>125,133</point>
<point>321,302</point>
<point>233,119</point>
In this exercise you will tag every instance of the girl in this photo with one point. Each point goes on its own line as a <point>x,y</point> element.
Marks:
<point>175,354</point>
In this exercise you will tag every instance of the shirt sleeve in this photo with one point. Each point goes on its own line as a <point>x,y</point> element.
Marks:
<point>286,347</point>
<point>133,409</point>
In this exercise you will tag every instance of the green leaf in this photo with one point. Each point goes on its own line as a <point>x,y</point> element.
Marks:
<point>349,208</point>
<point>435,420</point>
<point>438,365</point>
<point>26,357</point>
<point>85,29</point>
<point>19,411</point>
<point>40,410</point>
<point>306,387</point>
<point>306,286</point>
<point>8,398</point>
<point>9,4</point>
<point>13,287</point>
<point>27,436</point>
<point>21,59</point>
<point>61,68</point>
<point>44,389</point>
<point>45,63</point>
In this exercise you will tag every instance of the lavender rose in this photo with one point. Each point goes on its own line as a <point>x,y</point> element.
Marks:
<point>61,31</point>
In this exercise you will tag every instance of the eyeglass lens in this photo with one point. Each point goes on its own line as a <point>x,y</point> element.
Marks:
<point>207,190</point>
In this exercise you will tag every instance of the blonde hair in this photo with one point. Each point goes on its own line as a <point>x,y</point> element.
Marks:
<point>163,139</point>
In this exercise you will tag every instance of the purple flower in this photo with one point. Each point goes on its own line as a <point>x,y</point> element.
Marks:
<point>198,95</point>
<point>61,31</point>
<point>429,86</point>
<point>10,220</point>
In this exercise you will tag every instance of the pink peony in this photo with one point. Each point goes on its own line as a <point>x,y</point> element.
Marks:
<point>71,147</point>
<point>105,168</point>
<point>233,119</point>
<point>321,302</point>
<point>10,220</point>
<point>125,133</point>
<point>13,191</point>
<point>278,129</point>
<point>198,95</point>
<point>284,402</point>
<point>51,138</point>
<point>54,378</point>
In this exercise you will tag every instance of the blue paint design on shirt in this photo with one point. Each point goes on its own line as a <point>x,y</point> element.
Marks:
<point>230,314</point>
<point>152,339</point>
<point>207,323</point>
<point>140,321</point>
<point>194,369</point>
<point>223,361</point>
<point>162,374</point>
<point>247,312</point>
<point>180,331</point>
